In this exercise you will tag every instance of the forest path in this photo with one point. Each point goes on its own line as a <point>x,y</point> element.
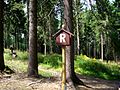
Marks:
<point>19,81</point>
<point>98,84</point>
<point>91,82</point>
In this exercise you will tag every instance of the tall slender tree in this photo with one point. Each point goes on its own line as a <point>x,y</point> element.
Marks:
<point>33,63</point>
<point>2,66</point>
<point>68,20</point>
<point>77,15</point>
<point>101,36</point>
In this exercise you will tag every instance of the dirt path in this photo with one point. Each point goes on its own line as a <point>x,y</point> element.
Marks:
<point>21,82</point>
<point>98,84</point>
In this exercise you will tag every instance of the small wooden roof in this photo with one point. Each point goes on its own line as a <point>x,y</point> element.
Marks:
<point>62,30</point>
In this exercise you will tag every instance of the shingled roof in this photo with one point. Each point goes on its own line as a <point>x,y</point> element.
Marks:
<point>62,30</point>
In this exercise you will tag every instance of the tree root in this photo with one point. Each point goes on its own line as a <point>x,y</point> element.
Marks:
<point>8,70</point>
<point>71,84</point>
<point>75,81</point>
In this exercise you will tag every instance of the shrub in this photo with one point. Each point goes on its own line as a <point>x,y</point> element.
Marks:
<point>7,56</point>
<point>53,60</point>
<point>22,55</point>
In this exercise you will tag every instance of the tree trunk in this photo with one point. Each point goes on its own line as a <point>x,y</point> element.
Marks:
<point>45,41</point>
<point>94,48</point>
<point>89,49</point>
<point>5,38</point>
<point>77,27</point>
<point>50,36</point>
<point>101,46</point>
<point>15,47</point>
<point>45,46</point>
<point>61,13</point>
<point>2,66</point>
<point>27,35</point>
<point>71,77</point>
<point>33,63</point>
<point>78,39</point>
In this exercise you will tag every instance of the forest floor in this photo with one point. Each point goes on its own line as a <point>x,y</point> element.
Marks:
<point>20,81</point>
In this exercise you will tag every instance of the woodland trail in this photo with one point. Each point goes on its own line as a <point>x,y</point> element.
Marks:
<point>20,81</point>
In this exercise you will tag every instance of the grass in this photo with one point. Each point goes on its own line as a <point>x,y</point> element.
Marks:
<point>17,65</point>
<point>96,68</point>
<point>53,60</point>
<point>45,74</point>
<point>20,64</point>
<point>83,65</point>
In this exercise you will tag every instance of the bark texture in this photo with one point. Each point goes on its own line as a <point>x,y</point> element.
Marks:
<point>2,66</point>
<point>71,77</point>
<point>33,62</point>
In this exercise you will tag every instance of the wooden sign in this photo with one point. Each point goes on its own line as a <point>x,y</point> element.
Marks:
<point>63,37</point>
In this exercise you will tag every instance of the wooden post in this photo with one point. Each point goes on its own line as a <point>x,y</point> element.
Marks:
<point>63,67</point>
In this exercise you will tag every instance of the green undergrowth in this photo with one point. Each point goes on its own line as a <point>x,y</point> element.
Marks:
<point>54,60</point>
<point>96,68</point>
<point>20,63</point>
<point>19,66</point>
<point>20,55</point>
<point>45,74</point>
<point>83,65</point>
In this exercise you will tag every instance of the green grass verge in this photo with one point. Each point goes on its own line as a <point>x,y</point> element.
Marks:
<point>20,64</point>
<point>96,68</point>
<point>83,65</point>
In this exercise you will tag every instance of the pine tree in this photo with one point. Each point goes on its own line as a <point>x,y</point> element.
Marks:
<point>33,63</point>
<point>2,66</point>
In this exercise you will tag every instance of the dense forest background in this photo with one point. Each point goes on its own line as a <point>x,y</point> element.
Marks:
<point>27,33</point>
<point>96,26</point>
